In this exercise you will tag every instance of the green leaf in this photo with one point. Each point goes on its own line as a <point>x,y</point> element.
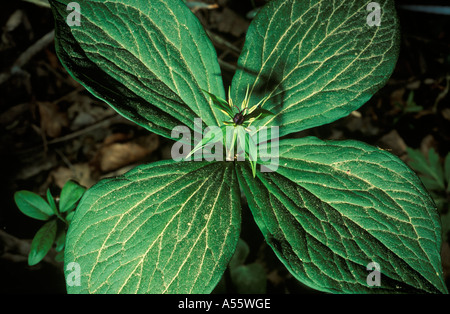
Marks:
<point>259,113</point>
<point>166,227</point>
<point>437,171</point>
<point>240,139</point>
<point>33,205</point>
<point>299,54</point>
<point>51,201</point>
<point>70,195</point>
<point>59,257</point>
<point>331,208</point>
<point>417,161</point>
<point>430,183</point>
<point>251,150</point>
<point>69,216</point>
<point>42,242</point>
<point>431,169</point>
<point>447,171</point>
<point>149,62</point>
<point>230,141</point>
<point>221,104</point>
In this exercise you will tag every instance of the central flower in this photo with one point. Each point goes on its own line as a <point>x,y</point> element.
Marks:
<point>238,118</point>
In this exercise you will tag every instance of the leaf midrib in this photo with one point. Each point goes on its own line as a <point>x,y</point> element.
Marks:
<point>342,172</point>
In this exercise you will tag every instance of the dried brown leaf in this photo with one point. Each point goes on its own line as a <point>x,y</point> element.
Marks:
<point>114,155</point>
<point>52,120</point>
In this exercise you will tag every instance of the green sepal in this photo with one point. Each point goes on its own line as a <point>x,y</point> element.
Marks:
<point>220,104</point>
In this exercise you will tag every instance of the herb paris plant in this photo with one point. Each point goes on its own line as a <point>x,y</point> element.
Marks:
<point>331,207</point>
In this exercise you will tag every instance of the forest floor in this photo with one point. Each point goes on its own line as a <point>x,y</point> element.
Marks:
<point>53,130</point>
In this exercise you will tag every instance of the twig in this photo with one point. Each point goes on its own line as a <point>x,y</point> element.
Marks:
<point>67,96</point>
<point>27,55</point>
<point>101,124</point>
<point>219,40</point>
<point>195,6</point>
<point>442,94</point>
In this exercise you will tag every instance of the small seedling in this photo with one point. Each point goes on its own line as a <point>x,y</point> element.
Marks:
<point>57,217</point>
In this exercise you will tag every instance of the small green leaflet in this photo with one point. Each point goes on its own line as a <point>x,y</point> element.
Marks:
<point>60,239</point>
<point>246,278</point>
<point>42,242</point>
<point>33,205</point>
<point>51,202</point>
<point>220,104</point>
<point>166,227</point>
<point>258,114</point>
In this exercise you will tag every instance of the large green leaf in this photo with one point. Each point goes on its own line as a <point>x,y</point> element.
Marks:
<point>162,228</point>
<point>331,208</point>
<point>149,60</point>
<point>315,60</point>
